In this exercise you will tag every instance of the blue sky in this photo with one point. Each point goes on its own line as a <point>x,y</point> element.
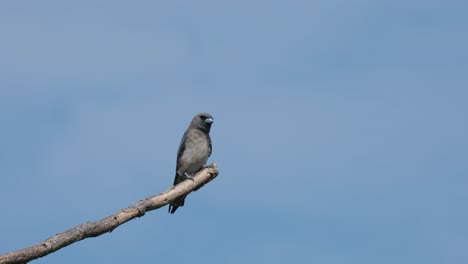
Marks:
<point>340,128</point>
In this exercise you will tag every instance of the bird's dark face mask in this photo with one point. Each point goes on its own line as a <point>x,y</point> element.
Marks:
<point>206,121</point>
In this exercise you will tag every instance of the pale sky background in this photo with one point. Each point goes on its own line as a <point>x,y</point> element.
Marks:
<point>340,128</point>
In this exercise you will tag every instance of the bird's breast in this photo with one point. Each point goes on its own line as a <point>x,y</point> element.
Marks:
<point>196,153</point>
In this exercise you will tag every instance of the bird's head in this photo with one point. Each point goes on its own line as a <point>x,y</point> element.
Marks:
<point>203,121</point>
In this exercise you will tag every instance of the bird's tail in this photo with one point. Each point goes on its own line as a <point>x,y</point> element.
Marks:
<point>176,203</point>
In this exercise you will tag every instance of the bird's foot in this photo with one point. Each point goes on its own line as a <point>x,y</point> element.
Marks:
<point>189,177</point>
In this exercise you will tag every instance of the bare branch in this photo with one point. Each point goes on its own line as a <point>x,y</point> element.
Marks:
<point>111,222</point>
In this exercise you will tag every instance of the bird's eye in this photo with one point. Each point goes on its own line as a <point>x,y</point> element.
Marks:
<point>203,117</point>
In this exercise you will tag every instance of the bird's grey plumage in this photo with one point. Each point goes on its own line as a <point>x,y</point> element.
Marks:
<point>193,153</point>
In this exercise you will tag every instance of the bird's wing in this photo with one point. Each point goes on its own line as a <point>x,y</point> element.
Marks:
<point>182,146</point>
<point>209,144</point>
<point>180,152</point>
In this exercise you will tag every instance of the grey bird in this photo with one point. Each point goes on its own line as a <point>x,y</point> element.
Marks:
<point>194,150</point>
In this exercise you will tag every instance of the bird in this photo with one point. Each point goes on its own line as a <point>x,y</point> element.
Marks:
<point>193,153</point>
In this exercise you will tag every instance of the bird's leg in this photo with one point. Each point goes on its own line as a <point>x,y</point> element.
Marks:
<point>187,176</point>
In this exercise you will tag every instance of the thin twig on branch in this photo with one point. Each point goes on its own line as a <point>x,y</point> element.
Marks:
<point>109,223</point>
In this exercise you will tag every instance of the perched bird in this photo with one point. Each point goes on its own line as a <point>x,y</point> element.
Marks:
<point>194,150</point>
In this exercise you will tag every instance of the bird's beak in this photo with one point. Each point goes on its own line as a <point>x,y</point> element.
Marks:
<point>209,120</point>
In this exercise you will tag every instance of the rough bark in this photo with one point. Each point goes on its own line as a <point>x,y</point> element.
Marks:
<point>108,224</point>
